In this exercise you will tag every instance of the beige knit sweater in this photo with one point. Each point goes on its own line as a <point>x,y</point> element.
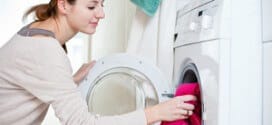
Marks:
<point>35,73</point>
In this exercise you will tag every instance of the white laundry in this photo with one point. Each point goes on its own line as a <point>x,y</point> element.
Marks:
<point>143,36</point>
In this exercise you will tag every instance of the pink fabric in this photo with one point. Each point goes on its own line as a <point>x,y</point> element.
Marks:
<point>189,89</point>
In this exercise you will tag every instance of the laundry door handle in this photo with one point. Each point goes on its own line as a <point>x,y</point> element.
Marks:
<point>169,95</point>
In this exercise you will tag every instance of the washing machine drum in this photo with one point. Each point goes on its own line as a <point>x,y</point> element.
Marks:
<point>122,83</point>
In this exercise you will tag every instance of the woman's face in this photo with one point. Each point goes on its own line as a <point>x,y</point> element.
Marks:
<point>84,15</point>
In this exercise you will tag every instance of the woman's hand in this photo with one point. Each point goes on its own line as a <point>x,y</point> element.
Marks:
<point>82,72</point>
<point>171,110</point>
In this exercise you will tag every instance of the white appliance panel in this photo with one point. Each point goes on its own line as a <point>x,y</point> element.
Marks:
<point>267,19</point>
<point>267,84</point>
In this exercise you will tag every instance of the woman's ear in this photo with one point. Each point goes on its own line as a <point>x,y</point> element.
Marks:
<point>62,6</point>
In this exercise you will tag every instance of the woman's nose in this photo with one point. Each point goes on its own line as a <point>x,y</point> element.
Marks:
<point>100,13</point>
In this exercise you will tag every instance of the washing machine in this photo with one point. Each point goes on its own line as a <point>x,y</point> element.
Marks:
<point>267,61</point>
<point>218,45</point>
<point>122,83</point>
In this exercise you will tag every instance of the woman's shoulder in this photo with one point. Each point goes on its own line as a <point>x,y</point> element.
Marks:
<point>33,47</point>
<point>27,44</point>
<point>32,52</point>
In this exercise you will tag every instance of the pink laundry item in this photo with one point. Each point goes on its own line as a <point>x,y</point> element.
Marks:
<point>195,118</point>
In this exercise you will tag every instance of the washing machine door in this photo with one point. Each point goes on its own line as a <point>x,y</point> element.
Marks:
<point>122,83</point>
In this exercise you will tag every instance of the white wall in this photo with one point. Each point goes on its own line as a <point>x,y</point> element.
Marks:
<point>112,32</point>
<point>11,13</point>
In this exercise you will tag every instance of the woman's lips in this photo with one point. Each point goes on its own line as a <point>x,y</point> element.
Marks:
<point>94,23</point>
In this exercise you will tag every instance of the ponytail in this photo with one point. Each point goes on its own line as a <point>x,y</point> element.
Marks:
<point>43,11</point>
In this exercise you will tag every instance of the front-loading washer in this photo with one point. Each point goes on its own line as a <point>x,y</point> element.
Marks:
<point>218,44</point>
<point>122,83</point>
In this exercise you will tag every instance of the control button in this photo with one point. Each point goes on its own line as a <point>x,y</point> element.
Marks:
<point>193,26</point>
<point>207,22</point>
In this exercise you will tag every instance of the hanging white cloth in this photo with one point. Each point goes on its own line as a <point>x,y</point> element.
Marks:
<point>152,37</point>
<point>143,36</point>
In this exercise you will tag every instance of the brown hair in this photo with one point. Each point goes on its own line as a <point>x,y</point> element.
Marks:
<point>45,11</point>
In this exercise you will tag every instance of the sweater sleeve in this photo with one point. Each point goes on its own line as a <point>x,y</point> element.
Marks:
<point>47,75</point>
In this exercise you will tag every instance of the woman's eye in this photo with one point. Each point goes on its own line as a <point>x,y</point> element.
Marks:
<point>91,8</point>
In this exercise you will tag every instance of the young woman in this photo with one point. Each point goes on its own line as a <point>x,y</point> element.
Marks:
<point>35,72</point>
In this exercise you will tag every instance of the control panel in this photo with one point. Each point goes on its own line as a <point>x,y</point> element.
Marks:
<point>196,25</point>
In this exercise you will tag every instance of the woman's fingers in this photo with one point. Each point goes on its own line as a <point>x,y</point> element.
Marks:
<point>88,66</point>
<point>185,109</point>
<point>181,101</point>
<point>176,108</point>
<point>182,117</point>
<point>91,64</point>
<point>184,112</point>
<point>186,106</point>
<point>186,98</point>
<point>83,71</point>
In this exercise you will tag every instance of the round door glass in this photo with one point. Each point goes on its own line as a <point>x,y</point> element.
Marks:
<point>120,90</point>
